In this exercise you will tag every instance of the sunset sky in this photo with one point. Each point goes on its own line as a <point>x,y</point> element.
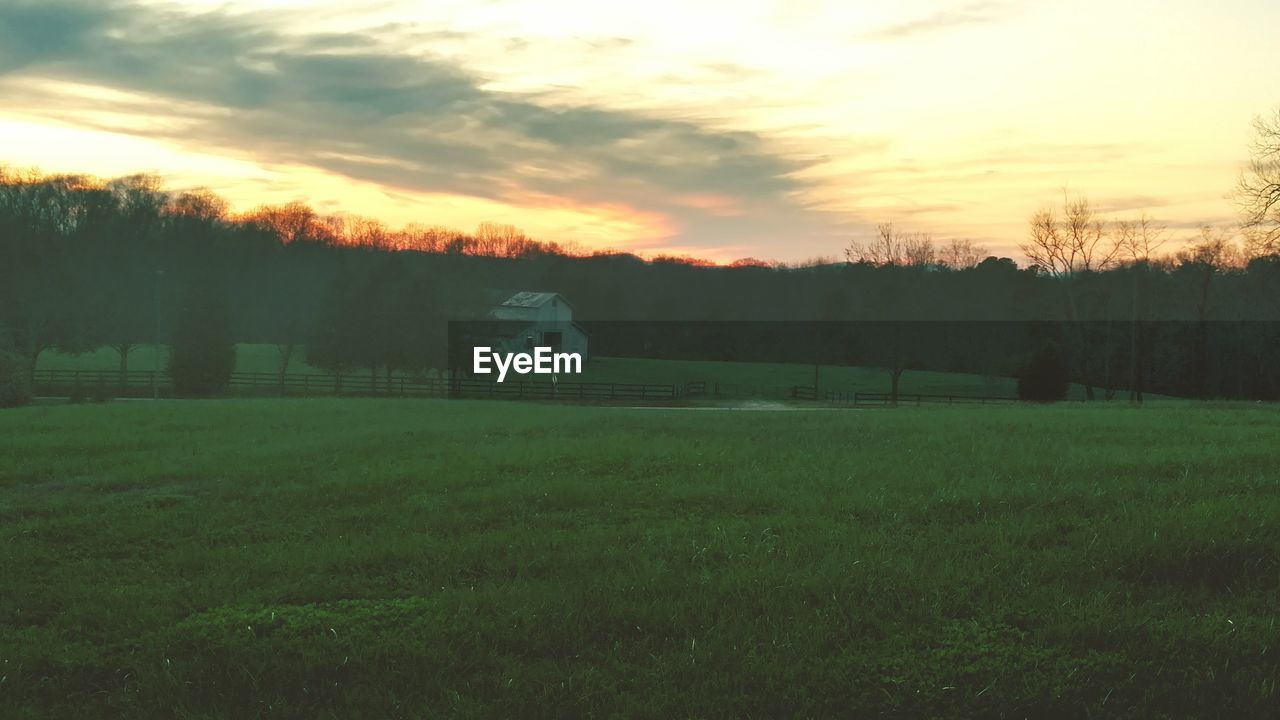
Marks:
<point>721,129</point>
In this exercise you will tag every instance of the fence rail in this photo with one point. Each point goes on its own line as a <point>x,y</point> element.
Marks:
<point>865,399</point>
<point>804,392</point>
<point>833,397</point>
<point>139,383</point>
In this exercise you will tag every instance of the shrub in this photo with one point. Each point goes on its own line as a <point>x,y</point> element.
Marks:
<point>15,378</point>
<point>1044,378</point>
<point>102,392</point>
<point>77,394</point>
<point>202,355</point>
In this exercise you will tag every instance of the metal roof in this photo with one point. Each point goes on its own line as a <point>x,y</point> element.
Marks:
<point>527,299</point>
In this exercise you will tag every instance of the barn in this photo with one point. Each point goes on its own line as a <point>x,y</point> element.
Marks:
<point>538,319</point>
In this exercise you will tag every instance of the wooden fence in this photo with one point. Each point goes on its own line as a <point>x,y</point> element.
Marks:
<point>865,399</point>
<point>140,383</point>
<point>847,398</point>
<point>712,388</point>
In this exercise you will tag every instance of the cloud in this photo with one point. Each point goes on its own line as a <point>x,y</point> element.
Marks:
<point>1131,203</point>
<point>349,104</point>
<point>32,32</point>
<point>1226,221</point>
<point>978,13</point>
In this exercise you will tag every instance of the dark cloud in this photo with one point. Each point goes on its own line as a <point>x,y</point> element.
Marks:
<point>35,32</point>
<point>971,14</point>
<point>348,104</point>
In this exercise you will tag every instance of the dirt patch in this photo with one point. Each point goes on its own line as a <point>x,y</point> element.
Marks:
<point>763,405</point>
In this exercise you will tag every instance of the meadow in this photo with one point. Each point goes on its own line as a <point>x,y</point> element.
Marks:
<point>326,558</point>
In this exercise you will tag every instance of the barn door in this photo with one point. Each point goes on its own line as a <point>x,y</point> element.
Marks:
<point>553,340</point>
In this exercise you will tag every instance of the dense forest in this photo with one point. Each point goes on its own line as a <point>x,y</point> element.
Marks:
<point>86,263</point>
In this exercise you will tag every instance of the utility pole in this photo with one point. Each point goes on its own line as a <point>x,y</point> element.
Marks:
<point>155,349</point>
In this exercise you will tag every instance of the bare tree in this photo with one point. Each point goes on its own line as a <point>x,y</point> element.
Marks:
<point>367,232</point>
<point>1077,241</point>
<point>892,247</point>
<point>961,254</point>
<point>1258,189</point>
<point>1205,258</point>
<point>1214,248</point>
<point>200,203</point>
<point>138,204</point>
<point>879,251</point>
<point>1064,246</point>
<point>499,240</point>
<point>296,222</point>
<point>1138,240</point>
<point>434,238</point>
<point>918,249</point>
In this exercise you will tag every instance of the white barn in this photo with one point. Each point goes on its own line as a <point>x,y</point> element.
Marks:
<point>539,319</point>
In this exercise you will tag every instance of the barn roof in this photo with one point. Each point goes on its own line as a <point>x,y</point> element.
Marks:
<point>529,299</point>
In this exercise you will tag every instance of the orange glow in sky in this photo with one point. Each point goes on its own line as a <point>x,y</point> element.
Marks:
<point>723,129</point>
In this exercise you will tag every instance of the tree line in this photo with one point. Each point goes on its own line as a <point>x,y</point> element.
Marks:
<point>88,263</point>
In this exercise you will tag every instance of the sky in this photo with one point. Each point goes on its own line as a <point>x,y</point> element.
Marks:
<point>754,128</point>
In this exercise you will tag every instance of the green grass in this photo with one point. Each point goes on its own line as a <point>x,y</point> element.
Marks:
<point>385,559</point>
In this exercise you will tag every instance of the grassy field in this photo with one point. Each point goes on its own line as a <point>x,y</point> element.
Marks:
<point>386,559</point>
<point>770,379</point>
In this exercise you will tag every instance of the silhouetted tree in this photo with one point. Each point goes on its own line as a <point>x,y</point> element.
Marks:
<point>1066,247</point>
<point>1138,241</point>
<point>1258,190</point>
<point>892,247</point>
<point>202,353</point>
<point>961,254</point>
<point>1202,261</point>
<point>1044,378</point>
<point>15,376</point>
<point>125,279</point>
